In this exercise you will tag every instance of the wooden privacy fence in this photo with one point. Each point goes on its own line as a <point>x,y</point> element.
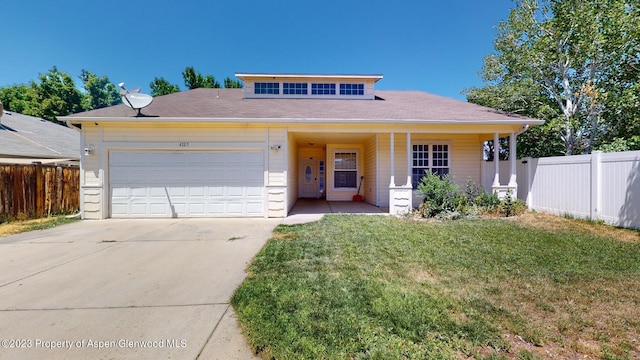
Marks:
<point>33,191</point>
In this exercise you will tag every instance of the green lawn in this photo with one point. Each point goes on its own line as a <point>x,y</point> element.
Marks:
<point>351,287</point>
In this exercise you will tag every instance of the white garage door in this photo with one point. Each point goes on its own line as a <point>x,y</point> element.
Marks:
<point>186,183</point>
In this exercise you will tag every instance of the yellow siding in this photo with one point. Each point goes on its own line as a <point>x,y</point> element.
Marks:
<point>384,169</point>
<point>277,158</point>
<point>292,171</point>
<point>465,151</point>
<point>369,187</point>
<point>342,194</point>
<point>92,175</point>
<point>315,153</point>
<point>182,133</point>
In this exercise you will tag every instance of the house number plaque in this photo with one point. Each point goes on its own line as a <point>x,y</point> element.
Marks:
<point>183,144</point>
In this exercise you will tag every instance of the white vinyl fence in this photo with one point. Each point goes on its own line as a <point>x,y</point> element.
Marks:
<point>602,186</point>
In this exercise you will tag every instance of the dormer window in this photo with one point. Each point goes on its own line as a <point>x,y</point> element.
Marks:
<point>309,86</point>
<point>266,88</point>
<point>351,89</point>
<point>294,88</point>
<point>323,89</point>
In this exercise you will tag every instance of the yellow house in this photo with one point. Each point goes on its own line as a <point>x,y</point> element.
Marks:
<point>253,152</point>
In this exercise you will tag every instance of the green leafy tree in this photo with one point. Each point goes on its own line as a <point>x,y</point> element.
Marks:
<point>160,86</point>
<point>194,79</point>
<point>100,92</point>
<point>57,94</point>
<point>561,61</point>
<point>232,84</point>
<point>20,99</point>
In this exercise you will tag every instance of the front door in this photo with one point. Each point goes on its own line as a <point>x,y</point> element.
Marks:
<point>308,179</point>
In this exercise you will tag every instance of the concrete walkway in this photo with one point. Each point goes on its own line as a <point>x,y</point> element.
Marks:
<point>127,289</point>
<point>308,210</point>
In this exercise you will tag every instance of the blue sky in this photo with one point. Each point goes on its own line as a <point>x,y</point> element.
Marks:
<point>435,46</point>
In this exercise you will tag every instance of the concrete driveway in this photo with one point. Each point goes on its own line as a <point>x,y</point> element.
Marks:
<point>127,289</point>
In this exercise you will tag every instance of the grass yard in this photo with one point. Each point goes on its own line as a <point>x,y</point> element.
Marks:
<point>19,226</point>
<point>379,287</point>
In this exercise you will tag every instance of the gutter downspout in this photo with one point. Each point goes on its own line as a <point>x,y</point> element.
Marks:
<point>69,125</point>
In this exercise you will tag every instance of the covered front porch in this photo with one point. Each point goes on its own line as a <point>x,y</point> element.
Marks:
<point>383,168</point>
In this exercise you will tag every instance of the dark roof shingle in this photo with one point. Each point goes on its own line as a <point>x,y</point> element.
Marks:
<point>231,104</point>
<point>32,137</point>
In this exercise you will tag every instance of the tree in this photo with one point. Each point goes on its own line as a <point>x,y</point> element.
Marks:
<point>56,94</point>
<point>194,79</point>
<point>100,92</point>
<point>20,99</point>
<point>232,84</point>
<point>160,86</point>
<point>560,61</point>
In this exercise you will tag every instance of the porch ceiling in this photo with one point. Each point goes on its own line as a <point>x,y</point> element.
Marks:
<point>309,139</point>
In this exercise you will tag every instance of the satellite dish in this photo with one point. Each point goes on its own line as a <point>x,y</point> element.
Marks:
<point>134,99</point>
<point>137,101</point>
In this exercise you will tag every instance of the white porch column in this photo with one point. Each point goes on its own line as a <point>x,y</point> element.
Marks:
<point>393,159</point>
<point>496,160</point>
<point>512,160</point>
<point>400,196</point>
<point>409,162</point>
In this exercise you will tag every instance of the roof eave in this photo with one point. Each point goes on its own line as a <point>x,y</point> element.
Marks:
<point>76,120</point>
<point>245,75</point>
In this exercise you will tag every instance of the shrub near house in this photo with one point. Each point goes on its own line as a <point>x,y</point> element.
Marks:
<point>444,200</point>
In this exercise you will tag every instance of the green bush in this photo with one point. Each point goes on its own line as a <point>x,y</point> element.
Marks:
<point>511,207</point>
<point>477,195</point>
<point>444,200</point>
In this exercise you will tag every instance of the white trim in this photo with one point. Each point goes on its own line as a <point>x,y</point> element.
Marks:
<point>185,145</point>
<point>375,77</point>
<point>392,155</point>
<point>513,183</point>
<point>104,175</point>
<point>266,170</point>
<point>378,179</point>
<point>496,160</point>
<point>362,121</point>
<point>409,162</point>
<point>358,171</point>
<point>430,145</point>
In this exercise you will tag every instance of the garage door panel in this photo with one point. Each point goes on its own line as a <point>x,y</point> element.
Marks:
<point>255,208</point>
<point>235,208</point>
<point>254,191</point>
<point>138,192</point>
<point>169,183</point>
<point>215,191</point>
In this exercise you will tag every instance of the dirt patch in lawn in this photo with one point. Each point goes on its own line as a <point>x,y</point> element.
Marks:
<point>555,223</point>
<point>16,227</point>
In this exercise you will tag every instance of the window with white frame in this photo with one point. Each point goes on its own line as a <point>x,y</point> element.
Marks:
<point>323,89</point>
<point>434,158</point>
<point>351,89</point>
<point>345,169</point>
<point>266,88</point>
<point>294,88</point>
